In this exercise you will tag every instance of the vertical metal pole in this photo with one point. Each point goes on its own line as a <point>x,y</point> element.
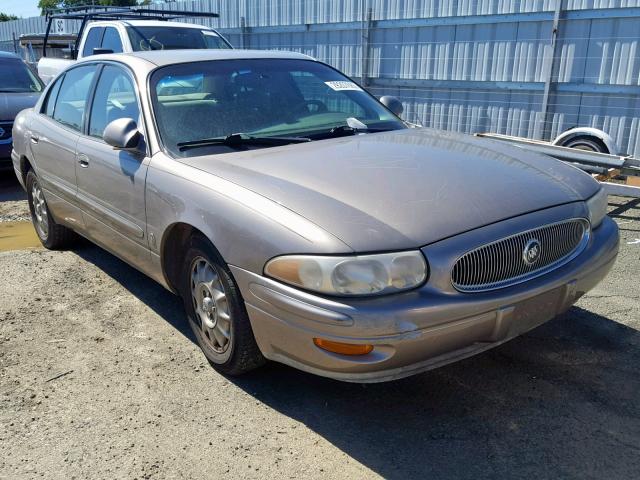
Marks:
<point>366,31</point>
<point>244,33</point>
<point>550,68</point>
<point>15,43</point>
<point>46,36</point>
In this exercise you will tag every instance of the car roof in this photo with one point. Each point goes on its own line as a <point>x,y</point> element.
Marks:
<point>162,58</point>
<point>9,55</point>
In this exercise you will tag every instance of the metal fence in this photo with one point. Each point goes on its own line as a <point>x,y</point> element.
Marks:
<point>531,68</point>
<point>9,46</point>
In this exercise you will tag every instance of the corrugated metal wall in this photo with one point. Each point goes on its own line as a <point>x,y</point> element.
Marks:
<point>465,65</point>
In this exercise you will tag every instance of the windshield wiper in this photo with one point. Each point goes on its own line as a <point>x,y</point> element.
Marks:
<point>237,140</point>
<point>346,131</point>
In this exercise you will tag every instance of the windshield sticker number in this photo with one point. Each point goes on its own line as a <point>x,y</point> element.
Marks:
<point>340,86</point>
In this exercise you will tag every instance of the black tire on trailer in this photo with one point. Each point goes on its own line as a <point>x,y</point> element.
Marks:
<point>587,143</point>
<point>52,235</point>
<point>216,311</point>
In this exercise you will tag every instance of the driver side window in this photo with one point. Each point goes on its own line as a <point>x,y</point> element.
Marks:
<point>115,98</point>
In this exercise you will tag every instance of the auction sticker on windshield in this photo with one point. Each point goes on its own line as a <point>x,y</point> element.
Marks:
<point>341,85</point>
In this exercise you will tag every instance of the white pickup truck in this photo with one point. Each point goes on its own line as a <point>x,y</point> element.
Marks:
<point>131,35</point>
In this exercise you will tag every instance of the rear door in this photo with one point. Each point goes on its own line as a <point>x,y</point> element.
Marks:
<point>54,137</point>
<point>111,183</point>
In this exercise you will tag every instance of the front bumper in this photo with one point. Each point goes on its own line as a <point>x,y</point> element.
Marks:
<point>417,330</point>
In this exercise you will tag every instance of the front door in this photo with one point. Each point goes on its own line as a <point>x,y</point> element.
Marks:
<point>111,183</point>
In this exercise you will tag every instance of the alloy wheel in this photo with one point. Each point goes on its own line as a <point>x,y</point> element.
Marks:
<point>40,212</point>
<point>211,306</point>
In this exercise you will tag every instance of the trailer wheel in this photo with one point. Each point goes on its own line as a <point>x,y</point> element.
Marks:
<point>585,142</point>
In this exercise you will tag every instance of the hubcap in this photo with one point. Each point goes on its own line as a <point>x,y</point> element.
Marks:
<point>211,305</point>
<point>40,212</point>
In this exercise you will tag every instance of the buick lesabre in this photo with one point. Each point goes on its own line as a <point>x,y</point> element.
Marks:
<point>302,221</point>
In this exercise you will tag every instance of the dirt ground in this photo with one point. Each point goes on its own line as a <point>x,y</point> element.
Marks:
<point>100,379</point>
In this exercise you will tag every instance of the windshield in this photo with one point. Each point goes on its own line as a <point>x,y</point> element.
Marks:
<point>173,38</point>
<point>16,77</point>
<point>262,98</point>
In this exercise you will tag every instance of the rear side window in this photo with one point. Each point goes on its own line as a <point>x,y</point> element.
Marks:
<point>72,97</point>
<point>94,38</point>
<point>115,98</point>
<point>50,102</point>
<point>111,40</point>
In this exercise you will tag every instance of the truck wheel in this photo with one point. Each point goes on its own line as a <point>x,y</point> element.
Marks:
<point>587,143</point>
<point>52,235</point>
<point>216,311</point>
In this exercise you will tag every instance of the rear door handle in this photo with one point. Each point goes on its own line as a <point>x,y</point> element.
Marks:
<point>83,160</point>
<point>34,139</point>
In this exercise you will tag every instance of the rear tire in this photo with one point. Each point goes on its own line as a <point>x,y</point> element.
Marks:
<point>586,143</point>
<point>52,235</point>
<point>216,311</point>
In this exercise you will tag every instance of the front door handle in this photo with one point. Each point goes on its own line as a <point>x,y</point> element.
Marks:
<point>83,160</point>
<point>34,139</point>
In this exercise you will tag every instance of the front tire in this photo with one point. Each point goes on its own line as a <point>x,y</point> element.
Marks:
<point>52,235</point>
<point>216,311</point>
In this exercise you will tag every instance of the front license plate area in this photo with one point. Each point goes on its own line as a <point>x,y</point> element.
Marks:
<point>535,311</point>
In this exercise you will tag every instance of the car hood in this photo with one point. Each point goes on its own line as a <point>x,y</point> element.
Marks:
<point>405,188</point>
<point>12,103</point>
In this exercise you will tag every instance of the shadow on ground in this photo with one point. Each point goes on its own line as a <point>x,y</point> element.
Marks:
<point>162,302</point>
<point>10,189</point>
<point>562,401</point>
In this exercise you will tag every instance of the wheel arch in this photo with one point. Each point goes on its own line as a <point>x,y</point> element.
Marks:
<point>600,135</point>
<point>174,242</point>
<point>25,166</point>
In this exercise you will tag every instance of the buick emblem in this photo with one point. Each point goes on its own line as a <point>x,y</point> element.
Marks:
<point>531,252</point>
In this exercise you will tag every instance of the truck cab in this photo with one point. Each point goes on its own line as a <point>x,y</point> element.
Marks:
<point>139,35</point>
<point>137,30</point>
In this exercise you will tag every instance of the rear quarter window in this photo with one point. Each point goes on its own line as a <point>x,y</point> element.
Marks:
<point>50,102</point>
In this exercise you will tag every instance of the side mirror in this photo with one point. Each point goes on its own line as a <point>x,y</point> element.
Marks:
<point>122,134</point>
<point>393,104</point>
<point>102,51</point>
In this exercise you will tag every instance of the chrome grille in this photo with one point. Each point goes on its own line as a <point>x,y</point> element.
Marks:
<point>502,263</point>
<point>5,130</point>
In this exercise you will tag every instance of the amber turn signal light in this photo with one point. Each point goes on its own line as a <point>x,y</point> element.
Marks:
<point>342,348</point>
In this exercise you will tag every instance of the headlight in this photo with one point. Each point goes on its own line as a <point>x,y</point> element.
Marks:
<point>351,275</point>
<point>597,206</point>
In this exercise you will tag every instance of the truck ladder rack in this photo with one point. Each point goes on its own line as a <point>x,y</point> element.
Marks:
<point>88,13</point>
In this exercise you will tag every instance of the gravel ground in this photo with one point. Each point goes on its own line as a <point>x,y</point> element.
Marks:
<point>13,206</point>
<point>100,378</point>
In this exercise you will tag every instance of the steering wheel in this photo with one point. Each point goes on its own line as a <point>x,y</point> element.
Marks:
<point>321,107</point>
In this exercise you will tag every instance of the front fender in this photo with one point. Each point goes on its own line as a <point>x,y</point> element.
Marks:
<point>248,229</point>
